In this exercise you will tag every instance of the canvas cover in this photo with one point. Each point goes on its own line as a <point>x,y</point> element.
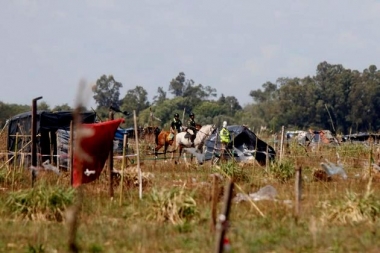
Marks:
<point>244,143</point>
<point>47,125</point>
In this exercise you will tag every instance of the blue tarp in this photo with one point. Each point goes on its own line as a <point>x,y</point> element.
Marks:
<point>119,135</point>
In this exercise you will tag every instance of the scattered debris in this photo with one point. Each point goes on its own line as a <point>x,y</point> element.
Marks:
<point>48,166</point>
<point>131,176</point>
<point>195,152</point>
<point>333,169</point>
<point>267,192</point>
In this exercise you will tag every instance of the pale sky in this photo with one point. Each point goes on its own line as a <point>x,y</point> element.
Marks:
<point>48,46</point>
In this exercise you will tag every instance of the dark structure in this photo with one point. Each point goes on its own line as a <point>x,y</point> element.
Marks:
<point>244,145</point>
<point>47,125</point>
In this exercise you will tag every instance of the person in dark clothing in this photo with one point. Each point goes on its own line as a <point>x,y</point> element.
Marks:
<point>192,126</point>
<point>176,125</point>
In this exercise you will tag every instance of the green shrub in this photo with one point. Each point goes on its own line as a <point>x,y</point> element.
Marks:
<point>234,171</point>
<point>174,205</point>
<point>283,171</point>
<point>353,208</point>
<point>41,202</point>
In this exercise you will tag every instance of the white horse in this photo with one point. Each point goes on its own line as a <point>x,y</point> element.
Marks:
<point>182,139</point>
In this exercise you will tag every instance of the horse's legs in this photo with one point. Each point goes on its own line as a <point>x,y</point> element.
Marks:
<point>165,149</point>
<point>179,154</point>
<point>156,150</point>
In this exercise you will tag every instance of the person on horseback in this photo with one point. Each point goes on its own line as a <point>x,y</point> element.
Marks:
<point>192,126</point>
<point>176,124</point>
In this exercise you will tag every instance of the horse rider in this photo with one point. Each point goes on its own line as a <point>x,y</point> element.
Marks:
<point>192,126</point>
<point>224,138</point>
<point>176,125</point>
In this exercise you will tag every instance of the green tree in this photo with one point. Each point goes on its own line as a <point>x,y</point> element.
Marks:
<point>107,92</point>
<point>176,86</point>
<point>63,107</point>
<point>160,97</point>
<point>7,111</point>
<point>135,99</point>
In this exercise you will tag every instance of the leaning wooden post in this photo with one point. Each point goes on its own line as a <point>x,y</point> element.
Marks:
<point>110,160</point>
<point>298,193</point>
<point>71,153</point>
<point>137,154</point>
<point>15,160</point>
<point>222,226</point>
<point>34,134</point>
<point>282,143</point>
<point>122,168</point>
<point>214,200</point>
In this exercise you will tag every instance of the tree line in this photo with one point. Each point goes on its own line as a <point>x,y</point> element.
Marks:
<point>341,100</point>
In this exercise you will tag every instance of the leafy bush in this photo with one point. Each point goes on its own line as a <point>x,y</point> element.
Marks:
<point>234,171</point>
<point>282,171</point>
<point>42,202</point>
<point>174,205</point>
<point>352,208</point>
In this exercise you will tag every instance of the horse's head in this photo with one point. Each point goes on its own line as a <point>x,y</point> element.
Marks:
<point>207,129</point>
<point>157,131</point>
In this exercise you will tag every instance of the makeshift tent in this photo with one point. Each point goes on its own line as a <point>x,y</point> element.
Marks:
<point>47,125</point>
<point>307,138</point>
<point>245,145</point>
<point>361,137</point>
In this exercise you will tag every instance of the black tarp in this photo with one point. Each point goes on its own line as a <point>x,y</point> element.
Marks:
<point>244,145</point>
<point>47,125</point>
<point>361,137</point>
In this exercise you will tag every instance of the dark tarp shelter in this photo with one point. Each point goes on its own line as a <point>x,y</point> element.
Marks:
<point>244,144</point>
<point>361,137</point>
<point>47,125</point>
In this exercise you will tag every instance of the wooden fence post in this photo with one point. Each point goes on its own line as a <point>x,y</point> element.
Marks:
<point>214,200</point>
<point>298,193</point>
<point>110,160</point>
<point>222,226</point>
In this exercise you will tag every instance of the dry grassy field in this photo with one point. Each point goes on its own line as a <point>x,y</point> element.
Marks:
<point>174,214</point>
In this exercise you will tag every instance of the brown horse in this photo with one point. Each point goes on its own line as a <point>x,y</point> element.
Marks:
<point>163,139</point>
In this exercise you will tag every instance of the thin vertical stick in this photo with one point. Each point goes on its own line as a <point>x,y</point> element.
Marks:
<point>71,153</point>
<point>222,225</point>
<point>58,156</point>
<point>183,115</point>
<point>14,167</point>
<point>138,154</point>
<point>122,168</point>
<point>110,161</point>
<point>298,193</point>
<point>267,160</point>
<point>34,134</point>
<point>282,143</point>
<point>51,151</point>
<point>214,201</point>
<point>72,220</point>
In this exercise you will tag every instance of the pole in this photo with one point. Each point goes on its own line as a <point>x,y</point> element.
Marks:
<point>214,201</point>
<point>34,133</point>
<point>71,153</point>
<point>138,154</point>
<point>183,115</point>
<point>282,143</point>
<point>122,167</point>
<point>298,193</point>
<point>223,218</point>
<point>110,160</point>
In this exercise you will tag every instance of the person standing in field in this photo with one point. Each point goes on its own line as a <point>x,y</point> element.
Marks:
<point>224,138</point>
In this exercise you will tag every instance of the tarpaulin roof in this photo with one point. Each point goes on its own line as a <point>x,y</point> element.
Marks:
<point>246,145</point>
<point>47,124</point>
